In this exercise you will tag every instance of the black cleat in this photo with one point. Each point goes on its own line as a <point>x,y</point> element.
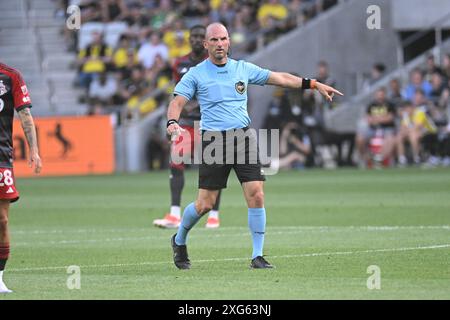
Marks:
<point>180,255</point>
<point>260,263</point>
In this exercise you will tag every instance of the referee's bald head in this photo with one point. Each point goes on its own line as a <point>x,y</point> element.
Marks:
<point>217,42</point>
<point>214,29</point>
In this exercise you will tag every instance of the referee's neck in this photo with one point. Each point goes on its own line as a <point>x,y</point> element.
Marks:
<point>220,63</point>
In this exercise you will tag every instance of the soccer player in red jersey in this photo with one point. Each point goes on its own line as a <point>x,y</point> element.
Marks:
<point>13,96</point>
<point>185,142</point>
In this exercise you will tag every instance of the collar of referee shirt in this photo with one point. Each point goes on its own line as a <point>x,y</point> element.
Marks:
<point>217,65</point>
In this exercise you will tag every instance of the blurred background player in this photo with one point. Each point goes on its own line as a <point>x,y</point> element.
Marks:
<point>185,142</point>
<point>13,96</point>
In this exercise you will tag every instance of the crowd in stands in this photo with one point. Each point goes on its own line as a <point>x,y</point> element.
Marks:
<point>407,123</point>
<point>299,114</point>
<point>134,71</point>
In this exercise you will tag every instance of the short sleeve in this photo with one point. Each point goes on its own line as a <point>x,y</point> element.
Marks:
<point>187,86</point>
<point>256,75</point>
<point>20,93</point>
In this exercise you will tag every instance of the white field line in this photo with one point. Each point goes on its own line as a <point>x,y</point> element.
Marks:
<point>314,228</point>
<point>154,237</point>
<point>316,254</point>
<point>207,234</point>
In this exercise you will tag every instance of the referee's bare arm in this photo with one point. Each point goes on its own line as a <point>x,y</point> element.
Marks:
<point>173,112</point>
<point>287,80</point>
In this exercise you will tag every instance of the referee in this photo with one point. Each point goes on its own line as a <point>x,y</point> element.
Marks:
<point>220,86</point>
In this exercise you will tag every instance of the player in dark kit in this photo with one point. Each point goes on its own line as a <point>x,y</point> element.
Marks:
<point>13,96</point>
<point>185,143</point>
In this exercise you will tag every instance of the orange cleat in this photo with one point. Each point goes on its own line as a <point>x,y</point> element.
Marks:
<point>168,222</point>
<point>212,223</point>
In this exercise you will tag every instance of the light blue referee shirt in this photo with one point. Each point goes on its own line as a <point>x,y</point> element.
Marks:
<point>221,92</point>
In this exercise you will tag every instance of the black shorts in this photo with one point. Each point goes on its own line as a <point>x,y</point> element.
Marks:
<point>226,150</point>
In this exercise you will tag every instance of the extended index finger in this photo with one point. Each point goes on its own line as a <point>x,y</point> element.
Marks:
<point>336,91</point>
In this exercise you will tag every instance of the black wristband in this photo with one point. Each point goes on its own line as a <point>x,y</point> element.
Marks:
<point>171,121</point>
<point>306,83</point>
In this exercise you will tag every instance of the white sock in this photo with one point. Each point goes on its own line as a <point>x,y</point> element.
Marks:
<point>1,276</point>
<point>214,214</point>
<point>175,211</point>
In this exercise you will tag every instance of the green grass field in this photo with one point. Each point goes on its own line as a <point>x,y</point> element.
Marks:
<point>325,228</point>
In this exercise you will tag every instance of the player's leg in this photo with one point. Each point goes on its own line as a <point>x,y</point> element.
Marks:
<point>194,211</point>
<point>173,218</point>
<point>212,178</point>
<point>191,215</point>
<point>213,221</point>
<point>179,150</point>
<point>4,242</point>
<point>176,188</point>
<point>251,177</point>
<point>254,195</point>
<point>213,217</point>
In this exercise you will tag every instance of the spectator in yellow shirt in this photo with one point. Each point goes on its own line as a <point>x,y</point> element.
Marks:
<point>416,127</point>
<point>179,49</point>
<point>272,9</point>
<point>123,53</point>
<point>176,35</point>
<point>93,59</point>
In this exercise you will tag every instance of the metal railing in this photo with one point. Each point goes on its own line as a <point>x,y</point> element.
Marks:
<point>435,26</point>
<point>357,79</point>
<point>351,110</point>
<point>128,116</point>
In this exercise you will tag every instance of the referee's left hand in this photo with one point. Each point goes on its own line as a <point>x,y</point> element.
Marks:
<point>327,91</point>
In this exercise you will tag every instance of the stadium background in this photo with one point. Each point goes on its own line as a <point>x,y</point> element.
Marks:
<point>114,128</point>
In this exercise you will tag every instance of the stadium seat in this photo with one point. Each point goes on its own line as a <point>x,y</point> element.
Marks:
<point>57,62</point>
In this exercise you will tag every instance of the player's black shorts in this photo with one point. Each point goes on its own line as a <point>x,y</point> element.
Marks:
<point>226,150</point>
